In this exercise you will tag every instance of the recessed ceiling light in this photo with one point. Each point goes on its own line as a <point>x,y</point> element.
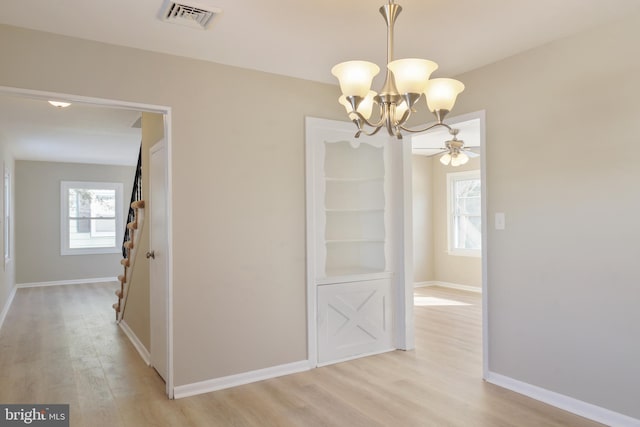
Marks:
<point>60,104</point>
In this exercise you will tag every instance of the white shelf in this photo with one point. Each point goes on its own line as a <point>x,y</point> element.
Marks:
<point>354,241</point>
<point>353,274</point>
<point>352,235</point>
<point>351,210</point>
<point>356,180</point>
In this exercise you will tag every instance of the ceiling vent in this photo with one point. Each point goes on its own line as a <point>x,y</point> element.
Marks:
<point>192,14</point>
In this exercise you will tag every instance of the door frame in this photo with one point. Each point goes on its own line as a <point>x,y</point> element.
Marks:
<point>150,108</point>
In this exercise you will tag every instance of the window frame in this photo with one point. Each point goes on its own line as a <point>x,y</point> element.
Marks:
<point>64,217</point>
<point>452,178</point>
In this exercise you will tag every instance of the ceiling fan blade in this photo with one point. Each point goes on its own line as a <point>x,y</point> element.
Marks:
<point>470,153</point>
<point>440,151</point>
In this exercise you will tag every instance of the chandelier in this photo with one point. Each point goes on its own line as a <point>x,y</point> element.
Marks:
<point>406,81</point>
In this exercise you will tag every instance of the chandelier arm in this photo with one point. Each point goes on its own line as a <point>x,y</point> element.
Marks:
<point>367,122</point>
<point>425,129</point>
<point>373,132</point>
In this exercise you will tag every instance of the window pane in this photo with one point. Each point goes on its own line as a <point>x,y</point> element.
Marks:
<point>467,188</point>
<point>92,233</point>
<point>468,232</point>
<point>466,213</point>
<point>468,206</point>
<point>87,208</point>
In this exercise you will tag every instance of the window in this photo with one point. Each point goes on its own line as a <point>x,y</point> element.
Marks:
<point>92,217</point>
<point>465,218</point>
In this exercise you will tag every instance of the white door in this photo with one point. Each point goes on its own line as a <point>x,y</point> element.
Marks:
<point>158,261</point>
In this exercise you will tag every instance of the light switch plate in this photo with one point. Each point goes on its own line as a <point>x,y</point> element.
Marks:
<point>500,221</point>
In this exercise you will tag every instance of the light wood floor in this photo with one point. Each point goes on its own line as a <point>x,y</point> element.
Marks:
<point>61,345</point>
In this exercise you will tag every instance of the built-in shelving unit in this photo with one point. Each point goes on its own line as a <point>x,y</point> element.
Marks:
<point>354,209</point>
<point>348,242</point>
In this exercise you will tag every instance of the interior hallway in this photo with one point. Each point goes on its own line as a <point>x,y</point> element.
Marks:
<point>60,344</point>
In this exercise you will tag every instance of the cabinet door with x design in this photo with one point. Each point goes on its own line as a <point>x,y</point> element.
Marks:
<point>353,319</point>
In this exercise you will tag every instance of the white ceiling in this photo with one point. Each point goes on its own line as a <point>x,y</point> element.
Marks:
<point>305,38</point>
<point>80,133</point>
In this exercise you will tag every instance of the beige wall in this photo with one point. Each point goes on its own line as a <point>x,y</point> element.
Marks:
<point>460,270</point>
<point>422,187</point>
<point>37,206</point>
<point>562,163</point>
<point>136,313</point>
<point>238,189</point>
<point>7,271</point>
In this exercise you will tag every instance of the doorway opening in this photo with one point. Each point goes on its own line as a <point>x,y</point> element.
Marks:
<point>449,220</point>
<point>42,149</point>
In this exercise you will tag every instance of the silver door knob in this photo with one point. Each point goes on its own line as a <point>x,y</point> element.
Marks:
<point>151,255</point>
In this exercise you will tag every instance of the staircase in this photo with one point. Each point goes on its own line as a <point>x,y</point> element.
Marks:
<point>135,221</point>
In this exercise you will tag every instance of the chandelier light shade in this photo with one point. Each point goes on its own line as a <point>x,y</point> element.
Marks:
<point>410,74</point>
<point>355,77</point>
<point>365,108</point>
<point>441,94</point>
<point>407,80</point>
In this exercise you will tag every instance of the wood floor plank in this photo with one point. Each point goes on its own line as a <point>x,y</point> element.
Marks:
<point>61,345</point>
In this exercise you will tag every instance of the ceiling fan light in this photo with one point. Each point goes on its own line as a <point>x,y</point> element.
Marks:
<point>455,160</point>
<point>463,158</point>
<point>411,74</point>
<point>445,159</point>
<point>441,93</point>
<point>355,77</point>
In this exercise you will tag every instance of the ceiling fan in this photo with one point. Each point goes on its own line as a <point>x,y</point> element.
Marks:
<point>455,153</point>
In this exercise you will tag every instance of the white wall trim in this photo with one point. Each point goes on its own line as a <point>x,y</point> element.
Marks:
<point>7,306</point>
<point>239,379</point>
<point>142,350</point>
<point>67,282</point>
<point>575,406</point>
<point>424,284</point>
<point>467,288</point>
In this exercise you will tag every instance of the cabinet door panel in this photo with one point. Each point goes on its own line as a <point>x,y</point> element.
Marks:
<point>353,319</point>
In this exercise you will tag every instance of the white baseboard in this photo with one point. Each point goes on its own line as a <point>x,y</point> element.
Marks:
<point>359,356</point>
<point>142,350</point>
<point>67,282</point>
<point>7,306</point>
<point>467,288</point>
<point>424,284</point>
<point>239,379</point>
<point>575,406</point>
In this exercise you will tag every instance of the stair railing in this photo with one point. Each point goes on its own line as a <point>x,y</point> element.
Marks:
<point>136,194</point>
